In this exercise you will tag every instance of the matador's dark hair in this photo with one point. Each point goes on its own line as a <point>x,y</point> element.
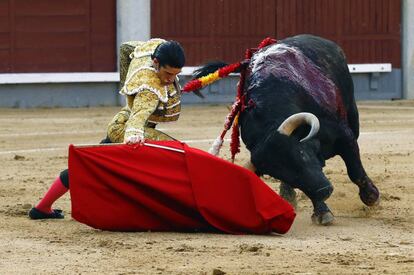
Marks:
<point>170,53</point>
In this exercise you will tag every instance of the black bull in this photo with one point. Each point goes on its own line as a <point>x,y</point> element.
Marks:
<point>307,76</point>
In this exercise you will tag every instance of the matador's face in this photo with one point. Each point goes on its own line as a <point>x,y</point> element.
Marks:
<point>166,74</point>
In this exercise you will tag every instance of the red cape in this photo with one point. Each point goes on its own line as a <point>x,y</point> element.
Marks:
<point>139,188</point>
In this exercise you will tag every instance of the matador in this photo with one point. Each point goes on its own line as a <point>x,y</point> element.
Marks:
<point>148,74</point>
<point>151,89</point>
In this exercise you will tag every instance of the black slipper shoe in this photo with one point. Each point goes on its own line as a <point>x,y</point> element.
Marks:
<point>36,214</point>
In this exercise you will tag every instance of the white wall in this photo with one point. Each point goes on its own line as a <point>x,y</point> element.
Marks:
<point>408,49</point>
<point>133,20</point>
<point>133,23</point>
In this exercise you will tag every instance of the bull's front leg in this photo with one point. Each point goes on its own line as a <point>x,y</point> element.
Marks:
<point>285,190</point>
<point>321,213</point>
<point>288,193</point>
<point>368,192</point>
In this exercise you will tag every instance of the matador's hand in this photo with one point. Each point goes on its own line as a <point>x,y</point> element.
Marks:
<point>136,139</point>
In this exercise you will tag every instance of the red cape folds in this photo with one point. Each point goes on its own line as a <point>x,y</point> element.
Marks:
<point>138,188</point>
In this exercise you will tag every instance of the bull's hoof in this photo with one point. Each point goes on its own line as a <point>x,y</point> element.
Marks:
<point>369,194</point>
<point>325,218</point>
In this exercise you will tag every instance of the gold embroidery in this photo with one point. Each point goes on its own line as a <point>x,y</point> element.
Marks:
<point>124,60</point>
<point>141,62</point>
<point>116,128</point>
<point>170,111</point>
<point>148,101</point>
<point>144,104</point>
<point>145,79</point>
<point>154,134</point>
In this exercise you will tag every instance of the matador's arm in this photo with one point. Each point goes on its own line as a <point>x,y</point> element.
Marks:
<point>145,103</point>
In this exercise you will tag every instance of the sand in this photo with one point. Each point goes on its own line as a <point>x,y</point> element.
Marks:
<point>362,240</point>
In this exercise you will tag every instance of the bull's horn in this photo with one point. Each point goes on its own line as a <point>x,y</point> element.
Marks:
<point>294,121</point>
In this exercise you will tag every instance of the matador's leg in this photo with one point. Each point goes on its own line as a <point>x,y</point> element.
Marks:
<point>154,134</point>
<point>116,128</point>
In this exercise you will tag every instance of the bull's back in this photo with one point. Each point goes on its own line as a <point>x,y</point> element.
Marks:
<point>330,59</point>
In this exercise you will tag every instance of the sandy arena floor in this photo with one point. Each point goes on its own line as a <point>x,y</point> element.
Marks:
<point>380,240</point>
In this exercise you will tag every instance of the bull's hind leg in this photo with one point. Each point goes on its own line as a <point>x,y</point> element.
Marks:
<point>368,192</point>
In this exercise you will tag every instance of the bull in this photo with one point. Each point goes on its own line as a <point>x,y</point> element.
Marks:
<point>300,111</point>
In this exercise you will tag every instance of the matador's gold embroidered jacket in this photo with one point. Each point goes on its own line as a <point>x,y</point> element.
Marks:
<point>148,102</point>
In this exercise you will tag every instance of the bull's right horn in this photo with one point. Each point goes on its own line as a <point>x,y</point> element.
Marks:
<point>294,121</point>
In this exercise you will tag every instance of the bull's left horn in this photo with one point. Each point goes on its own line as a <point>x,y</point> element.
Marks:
<point>294,121</point>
